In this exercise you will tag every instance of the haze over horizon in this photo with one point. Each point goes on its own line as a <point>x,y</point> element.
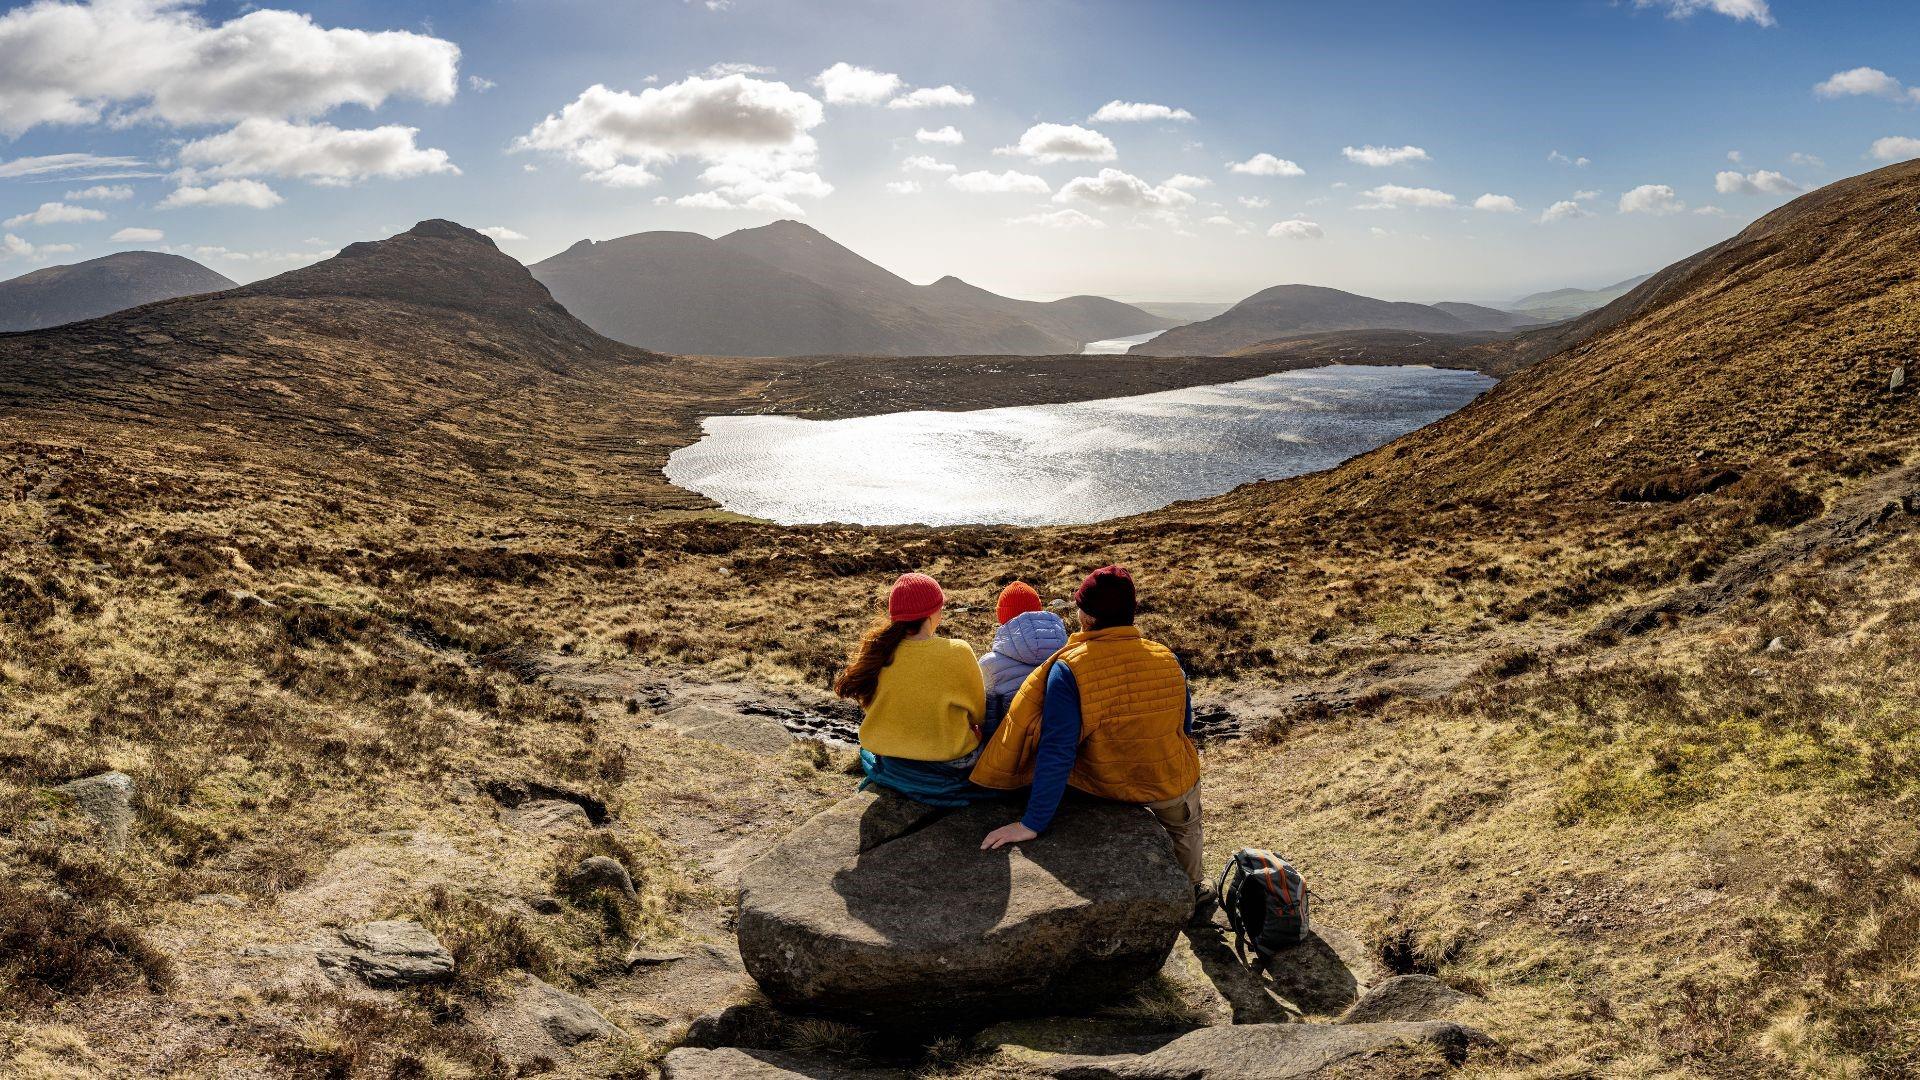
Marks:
<point>1480,152</point>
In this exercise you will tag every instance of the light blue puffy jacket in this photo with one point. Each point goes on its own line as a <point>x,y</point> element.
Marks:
<point>1018,648</point>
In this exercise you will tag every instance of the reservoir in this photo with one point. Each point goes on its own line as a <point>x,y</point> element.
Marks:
<point>1116,345</point>
<point>1061,464</point>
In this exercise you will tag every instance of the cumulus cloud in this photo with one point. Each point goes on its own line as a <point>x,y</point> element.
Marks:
<point>903,187</point>
<point>983,182</point>
<point>1220,219</point>
<point>1048,143</point>
<point>102,192</point>
<point>1188,182</point>
<point>321,153</point>
<point>1895,148</point>
<point>1124,112</point>
<point>1379,157</point>
<point>1564,210</point>
<point>479,84</point>
<point>923,163</point>
<point>55,213</point>
<point>1656,199</point>
<point>248,193</point>
<point>932,97</point>
<point>1740,10</point>
<point>12,247</point>
<point>1059,219</point>
<point>1867,82</point>
<point>1558,158</point>
<point>261,258</point>
<point>1762,182</point>
<point>79,63</point>
<point>846,84</point>
<point>1809,161</point>
<point>1396,197</point>
<point>1297,230</point>
<point>1496,204</point>
<point>1254,202</point>
<point>1119,189</point>
<point>1265,165</point>
<point>946,136</point>
<point>501,232</point>
<point>133,234</point>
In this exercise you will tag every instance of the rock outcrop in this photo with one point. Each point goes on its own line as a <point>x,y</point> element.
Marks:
<point>1406,997</point>
<point>1269,1052</point>
<point>883,910</point>
<point>108,800</point>
<point>389,953</point>
<point>732,1064</point>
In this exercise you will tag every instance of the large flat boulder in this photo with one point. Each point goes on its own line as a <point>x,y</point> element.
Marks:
<point>1271,1052</point>
<point>1406,997</point>
<point>728,1063</point>
<point>883,910</point>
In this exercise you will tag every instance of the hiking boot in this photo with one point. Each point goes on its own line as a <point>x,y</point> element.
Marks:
<point>1205,903</point>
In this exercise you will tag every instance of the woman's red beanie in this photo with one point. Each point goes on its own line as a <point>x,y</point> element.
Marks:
<point>914,597</point>
<point>1016,599</point>
<point>1107,595</point>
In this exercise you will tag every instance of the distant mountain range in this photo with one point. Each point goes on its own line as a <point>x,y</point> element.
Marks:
<point>1288,311</point>
<point>1567,303</point>
<point>53,295</point>
<point>786,289</point>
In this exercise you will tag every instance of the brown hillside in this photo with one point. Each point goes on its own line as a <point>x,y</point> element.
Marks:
<point>53,295</point>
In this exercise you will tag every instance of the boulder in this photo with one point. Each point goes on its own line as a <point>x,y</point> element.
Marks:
<point>566,1018</point>
<point>548,815</point>
<point>1325,974</point>
<point>733,1064</point>
<point>1270,1052</point>
<point>1406,997</point>
<point>108,800</point>
<point>600,872</point>
<point>881,909</point>
<point>389,953</point>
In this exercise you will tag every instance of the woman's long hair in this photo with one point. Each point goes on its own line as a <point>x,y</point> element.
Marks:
<point>861,679</point>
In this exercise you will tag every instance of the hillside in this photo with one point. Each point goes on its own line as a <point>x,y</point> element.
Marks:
<point>785,289</point>
<point>1291,310</point>
<point>54,295</point>
<point>1479,317</point>
<point>1558,304</point>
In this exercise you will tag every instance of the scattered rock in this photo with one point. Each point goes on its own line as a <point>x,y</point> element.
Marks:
<point>547,905</point>
<point>1081,1036</point>
<point>108,800</point>
<point>389,953</point>
<point>1323,975</point>
<point>1898,379</point>
<point>886,910</point>
<point>513,794</point>
<point>652,957</point>
<point>600,872</point>
<point>1777,645</point>
<point>1267,1051</point>
<point>735,1064</point>
<point>568,1019</point>
<point>1406,998</point>
<point>547,815</point>
<point>755,733</point>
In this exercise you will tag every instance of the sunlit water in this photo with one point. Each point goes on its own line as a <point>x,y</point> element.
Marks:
<point>1117,344</point>
<point>1058,464</point>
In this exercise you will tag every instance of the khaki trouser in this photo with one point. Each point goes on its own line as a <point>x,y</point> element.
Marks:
<point>1180,816</point>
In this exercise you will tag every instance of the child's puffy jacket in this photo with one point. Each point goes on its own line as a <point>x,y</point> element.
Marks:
<point>1018,648</point>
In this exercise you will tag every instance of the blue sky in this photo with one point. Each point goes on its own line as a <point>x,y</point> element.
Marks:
<point>1497,148</point>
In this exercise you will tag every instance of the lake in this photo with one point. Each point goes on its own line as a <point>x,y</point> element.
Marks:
<point>1116,345</point>
<point>1061,464</point>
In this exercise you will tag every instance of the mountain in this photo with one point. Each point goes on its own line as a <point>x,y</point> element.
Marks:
<point>786,289</point>
<point>54,295</point>
<point>1290,310</point>
<point>1479,317</point>
<point>1185,311</point>
<point>1566,303</point>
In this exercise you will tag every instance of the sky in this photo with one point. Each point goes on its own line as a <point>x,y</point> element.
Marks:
<point>1039,148</point>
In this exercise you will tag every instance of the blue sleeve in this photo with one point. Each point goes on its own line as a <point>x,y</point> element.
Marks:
<point>1059,745</point>
<point>1188,725</point>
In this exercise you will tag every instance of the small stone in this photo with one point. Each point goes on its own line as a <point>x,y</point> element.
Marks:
<point>1777,645</point>
<point>566,1017</point>
<point>653,957</point>
<point>108,800</point>
<point>600,872</point>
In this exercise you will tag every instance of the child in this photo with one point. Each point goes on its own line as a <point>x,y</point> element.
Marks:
<point>1027,635</point>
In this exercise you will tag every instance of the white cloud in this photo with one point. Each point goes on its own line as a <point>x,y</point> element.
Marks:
<point>1564,210</point>
<point>1762,182</point>
<point>271,258</point>
<point>12,247</point>
<point>946,136</point>
<point>1254,202</point>
<point>702,200</point>
<point>1059,219</point>
<point>1122,112</point>
<point>79,63</point>
<point>321,153</point>
<point>249,193</point>
<point>1656,199</point>
<point>1048,143</point>
<point>923,163</point>
<point>103,192</point>
<point>479,84</point>
<point>1735,156</point>
<point>1220,219</point>
<point>846,84</point>
<point>1379,157</point>
<point>988,183</point>
<point>744,187</point>
<point>1122,190</point>
<point>1298,230</point>
<point>501,232</point>
<point>51,165</point>
<point>1396,197</point>
<point>903,187</point>
<point>1188,182</point>
<point>1741,10</point>
<point>55,213</point>
<point>1808,161</point>
<point>735,67</point>
<point>1866,82</point>
<point>1585,196</point>
<point>1709,211</point>
<point>932,97</point>
<point>133,234</point>
<point>1266,165</point>
<point>1496,204</point>
<point>1895,148</point>
<point>1558,158</point>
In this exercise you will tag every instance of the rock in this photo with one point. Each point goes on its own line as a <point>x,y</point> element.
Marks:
<point>1898,379</point>
<point>389,953</point>
<point>1082,1036</point>
<point>881,909</point>
<point>1323,975</point>
<point>759,734</point>
<point>1777,645</point>
<point>1217,985</point>
<point>652,957</point>
<point>743,1024</point>
<point>568,1019</point>
<point>1406,997</point>
<point>108,800</point>
<point>600,872</point>
<point>1268,1051</point>
<point>547,905</point>
<point>547,815</point>
<point>734,1064</point>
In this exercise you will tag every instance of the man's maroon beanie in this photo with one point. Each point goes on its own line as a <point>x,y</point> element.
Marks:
<point>1107,595</point>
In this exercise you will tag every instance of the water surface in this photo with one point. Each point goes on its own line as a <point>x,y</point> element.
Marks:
<point>1117,344</point>
<point>1058,464</point>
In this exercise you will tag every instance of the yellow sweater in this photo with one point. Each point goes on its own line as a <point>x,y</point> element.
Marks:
<point>928,703</point>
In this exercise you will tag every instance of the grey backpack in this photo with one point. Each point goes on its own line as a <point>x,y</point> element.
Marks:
<point>1266,903</point>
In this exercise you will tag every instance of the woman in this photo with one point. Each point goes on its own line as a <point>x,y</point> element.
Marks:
<point>923,697</point>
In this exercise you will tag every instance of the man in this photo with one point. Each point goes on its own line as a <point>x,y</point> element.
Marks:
<point>1110,715</point>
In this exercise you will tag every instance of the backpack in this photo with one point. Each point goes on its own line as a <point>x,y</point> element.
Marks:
<point>1266,902</point>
